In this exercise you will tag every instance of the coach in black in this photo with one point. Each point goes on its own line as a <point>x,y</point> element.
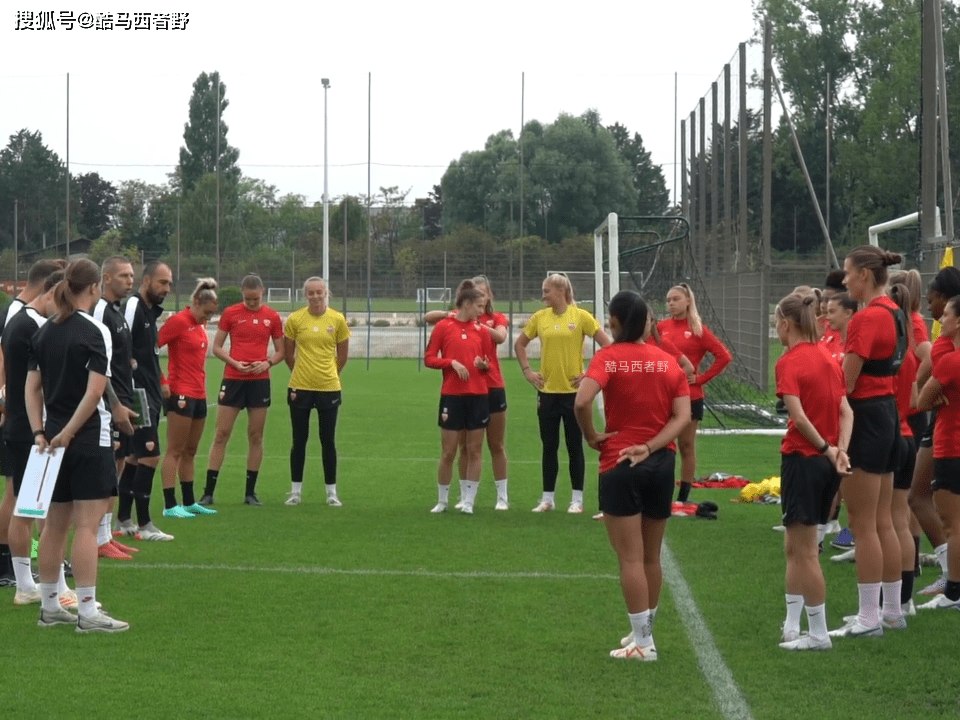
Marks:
<point>141,312</point>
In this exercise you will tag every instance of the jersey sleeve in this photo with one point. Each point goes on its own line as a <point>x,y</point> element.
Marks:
<point>343,330</point>
<point>786,378</point>
<point>588,323</point>
<point>860,335</point>
<point>721,356</point>
<point>500,320</point>
<point>290,327</point>
<point>276,329</point>
<point>431,357</point>
<point>226,320</point>
<point>170,329</point>
<point>920,333</point>
<point>680,386</point>
<point>946,370</point>
<point>669,348</point>
<point>530,329</point>
<point>99,347</point>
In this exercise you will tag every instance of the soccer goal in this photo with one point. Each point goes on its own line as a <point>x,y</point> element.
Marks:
<point>434,295</point>
<point>278,295</point>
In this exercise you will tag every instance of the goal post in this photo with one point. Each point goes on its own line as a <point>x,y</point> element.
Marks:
<point>278,295</point>
<point>607,230</point>
<point>434,295</point>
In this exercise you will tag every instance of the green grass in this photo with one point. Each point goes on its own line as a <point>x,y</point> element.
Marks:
<point>379,609</point>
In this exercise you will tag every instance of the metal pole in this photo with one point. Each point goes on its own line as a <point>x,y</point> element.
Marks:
<point>928,143</point>
<point>767,138</point>
<point>326,199</point>
<point>68,167</point>
<point>369,225</point>
<point>216,167</point>
<point>177,287</point>
<point>16,262</point>
<point>729,249</point>
<point>714,180</point>
<point>344,255</point>
<point>675,116</point>
<point>827,130</point>
<point>944,114</point>
<point>742,162</point>
<point>523,87</point>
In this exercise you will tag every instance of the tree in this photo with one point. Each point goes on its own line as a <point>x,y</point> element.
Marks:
<point>98,204</point>
<point>198,155</point>
<point>146,216</point>
<point>652,195</point>
<point>34,176</point>
<point>431,212</point>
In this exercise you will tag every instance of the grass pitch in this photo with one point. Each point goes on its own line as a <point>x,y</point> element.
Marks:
<point>379,609</point>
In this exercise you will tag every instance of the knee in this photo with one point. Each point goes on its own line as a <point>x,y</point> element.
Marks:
<point>686,446</point>
<point>255,437</point>
<point>221,437</point>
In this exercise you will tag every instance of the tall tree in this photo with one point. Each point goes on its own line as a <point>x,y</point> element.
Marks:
<point>34,176</point>
<point>98,204</point>
<point>652,195</point>
<point>146,216</point>
<point>431,212</point>
<point>198,154</point>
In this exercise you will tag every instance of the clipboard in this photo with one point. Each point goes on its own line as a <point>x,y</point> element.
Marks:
<point>141,406</point>
<point>39,480</point>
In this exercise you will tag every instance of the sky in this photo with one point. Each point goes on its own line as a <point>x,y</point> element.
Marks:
<point>442,78</point>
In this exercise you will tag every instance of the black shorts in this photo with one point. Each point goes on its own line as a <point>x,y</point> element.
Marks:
<point>918,423</point>
<point>16,455</point>
<point>807,488</point>
<point>245,393</point>
<point>145,442</point>
<point>946,475</point>
<point>553,406</point>
<point>906,460</point>
<point>87,473</point>
<point>310,399</point>
<point>925,440</point>
<point>463,412</point>
<point>6,468</point>
<point>696,410</point>
<point>497,400</point>
<point>644,489</point>
<point>873,442</point>
<point>193,408</point>
<point>122,444</point>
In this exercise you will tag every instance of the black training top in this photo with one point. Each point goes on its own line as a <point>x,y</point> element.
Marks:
<point>142,321</point>
<point>121,367</point>
<point>17,336</point>
<point>66,353</point>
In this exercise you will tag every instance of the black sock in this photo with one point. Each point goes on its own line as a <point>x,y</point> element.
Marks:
<point>252,481</point>
<point>169,498</point>
<point>6,562</point>
<point>684,493</point>
<point>212,476</point>
<point>142,487</point>
<point>916,555</point>
<point>952,591</point>
<point>126,492</point>
<point>906,586</point>
<point>187,489</point>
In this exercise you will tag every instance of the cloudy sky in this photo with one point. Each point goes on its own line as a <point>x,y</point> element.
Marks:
<point>444,78</point>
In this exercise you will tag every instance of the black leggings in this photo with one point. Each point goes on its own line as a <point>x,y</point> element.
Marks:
<point>300,421</point>
<point>552,409</point>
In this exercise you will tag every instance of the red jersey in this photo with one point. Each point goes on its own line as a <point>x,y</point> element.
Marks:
<point>823,326</point>
<point>187,354</point>
<point>494,375</point>
<point>811,375</point>
<point>920,335</point>
<point>639,383</point>
<point>832,342</point>
<point>250,335</point>
<point>452,340</point>
<point>668,347</point>
<point>872,335</point>
<point>946,432</point>
<point>904,386</point>
<point>686,341</point>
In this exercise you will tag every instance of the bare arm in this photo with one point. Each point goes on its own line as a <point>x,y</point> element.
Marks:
<point>497,334</point>
<point>219,352</point>
<point>33,398</point>
<point>601,338</point>
<point>343,351</point>
<point>289,351</point>
<point>435,316</point>
<point>928,396</point>
<point>852,365</point>
<point>583,409</point>
<point>679,419</point>
<point>520,350</point>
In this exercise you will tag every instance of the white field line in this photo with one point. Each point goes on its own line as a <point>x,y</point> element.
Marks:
<point>728,696</point>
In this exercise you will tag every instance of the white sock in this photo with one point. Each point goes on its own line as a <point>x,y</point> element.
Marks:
<point>502,489</point>
<point>941,552</point>
<point>817,621</point>
<point>470,491</point>
<point>869,613</point>
<point>62,586</point>
<point>296,488</point>
<point>794,611</point>
<point>642,625</point>
<point>49,597</point>
<point>22,571</point>
<point>547,497</point>
<point>331,490</point>
<point>87,601</point>
<point>891,599</point>
<point>577,497</point>
<point>821,532</point>
<point>443,493</point>
<point>463,490</point>
<point>103,532</point>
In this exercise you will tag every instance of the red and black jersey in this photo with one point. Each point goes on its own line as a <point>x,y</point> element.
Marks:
<point>946,433</point>
<point>251,333</point>
<point>188,343</point>
<point>639,383</point>
<point>872,335</point>
<point>811,375</point>
<point>463,341</point>
<point>494,374</point>
<point>695,348</point>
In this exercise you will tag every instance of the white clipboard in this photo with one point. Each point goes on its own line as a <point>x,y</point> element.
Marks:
<point>39,480</point>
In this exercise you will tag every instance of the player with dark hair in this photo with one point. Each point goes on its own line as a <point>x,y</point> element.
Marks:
<point>561,328</point>
<point>872,340</point>
<point>251,326</point>
<point>316,348</point>
<point>186,335</point>
<point>36,277</point>
<point>812,459</point>
<point>647,403</point>
<point>69,366</point>
<point>461,348</point>
<point>686,330</point>
<point>141,311</point>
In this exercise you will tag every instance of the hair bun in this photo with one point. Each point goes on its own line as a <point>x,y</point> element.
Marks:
<point>890,258</point>
<point>809,299</point>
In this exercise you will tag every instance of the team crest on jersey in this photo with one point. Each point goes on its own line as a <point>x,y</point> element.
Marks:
<point>267,323</point>
<point>256,322</point>
<point>687,333</point>
<point>316,329</point>
<point>571,326</point>
<point>330,329</point>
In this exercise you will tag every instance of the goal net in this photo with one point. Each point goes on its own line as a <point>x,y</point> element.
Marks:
<point>650,255</point>
<point>434,295</point>
<point>278,295</point>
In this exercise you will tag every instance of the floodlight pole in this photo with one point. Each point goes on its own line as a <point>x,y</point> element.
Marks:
<point>326,198</point>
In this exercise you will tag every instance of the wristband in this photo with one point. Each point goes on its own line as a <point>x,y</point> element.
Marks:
<point>826,446</point>
<point>524,369</point>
